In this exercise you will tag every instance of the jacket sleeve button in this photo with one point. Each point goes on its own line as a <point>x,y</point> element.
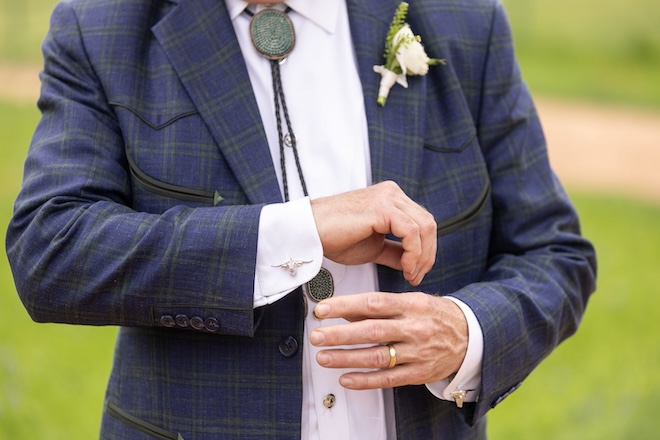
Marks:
<point>197,323</point>
<point>288,346</point>
<point>212,325</point>
<point>167,321</point>
<point>182,321</point>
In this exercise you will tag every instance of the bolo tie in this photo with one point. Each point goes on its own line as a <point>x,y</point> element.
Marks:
<point>273,36</point>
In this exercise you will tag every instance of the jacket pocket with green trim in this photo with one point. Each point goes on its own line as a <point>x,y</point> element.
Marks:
<point>464,217</point>
<point>139,424</point>
<point>170,190</point>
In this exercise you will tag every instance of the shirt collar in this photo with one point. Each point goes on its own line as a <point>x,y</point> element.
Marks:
<point>323,13</point>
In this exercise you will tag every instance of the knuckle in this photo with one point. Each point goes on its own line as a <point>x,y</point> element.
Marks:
<point>417,300</point>
<point>379,359</point>
<point>414,228</point>
<point>388,381</point>
<point>427,353</point>
<point>390,189</point>
<point>389,185</point>
<point>423,373</point>
<point>430,225</point>
<point>425,331</point>
<point>373,303</point>
<point>375,332</point>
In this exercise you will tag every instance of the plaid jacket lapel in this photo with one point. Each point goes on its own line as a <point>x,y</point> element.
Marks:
<point>396,130</point>
<point>199,40</point>
<point>216,79</point>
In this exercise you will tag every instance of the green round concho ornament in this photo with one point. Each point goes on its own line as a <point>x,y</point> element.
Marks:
<point>321,286</point>
<point>272,34</point>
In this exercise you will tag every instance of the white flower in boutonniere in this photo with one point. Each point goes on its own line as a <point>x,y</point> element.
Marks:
<point>404,55</point>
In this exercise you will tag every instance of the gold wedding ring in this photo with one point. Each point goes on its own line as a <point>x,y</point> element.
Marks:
<point>392,356</point>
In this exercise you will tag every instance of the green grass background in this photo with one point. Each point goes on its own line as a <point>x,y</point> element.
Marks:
<point>603,51</point>
<point>604,383</point>
<point>600,50</point>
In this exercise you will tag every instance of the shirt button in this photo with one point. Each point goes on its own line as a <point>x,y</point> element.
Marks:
<point>329,401</point>
<point>197,323</point>
<point>167,321</point>
<point>182,321</point>
<point>288,346</point>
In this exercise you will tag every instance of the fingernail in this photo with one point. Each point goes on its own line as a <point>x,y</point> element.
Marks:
<point>317,337</point>
<point>346,382</point>
<point>321,310</point>
<point>323,359</point>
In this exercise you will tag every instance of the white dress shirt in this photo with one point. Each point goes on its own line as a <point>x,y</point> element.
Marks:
<point>325,102</point>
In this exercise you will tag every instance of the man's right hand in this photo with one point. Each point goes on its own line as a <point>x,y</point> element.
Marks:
<point>353,225</point>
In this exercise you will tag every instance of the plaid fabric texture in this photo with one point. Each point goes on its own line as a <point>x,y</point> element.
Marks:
<point>147,172</point>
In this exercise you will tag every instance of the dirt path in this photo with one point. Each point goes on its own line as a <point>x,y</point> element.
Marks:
<point>19,84</point>
<point>610,148</point>
<point>593,147</point>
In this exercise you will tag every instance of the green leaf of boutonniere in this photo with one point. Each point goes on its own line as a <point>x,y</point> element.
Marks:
<point>404,55</point>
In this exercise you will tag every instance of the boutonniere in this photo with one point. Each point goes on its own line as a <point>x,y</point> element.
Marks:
<point>404,55</point>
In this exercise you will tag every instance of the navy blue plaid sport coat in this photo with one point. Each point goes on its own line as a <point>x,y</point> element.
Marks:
<point>148,170</point>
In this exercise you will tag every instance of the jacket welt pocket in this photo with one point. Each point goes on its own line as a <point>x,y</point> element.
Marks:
<point>459,220</point>
<point>173,191</point>
<point>139,424</point>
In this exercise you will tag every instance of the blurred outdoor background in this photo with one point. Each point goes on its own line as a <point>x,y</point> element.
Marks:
<point>594,67</point>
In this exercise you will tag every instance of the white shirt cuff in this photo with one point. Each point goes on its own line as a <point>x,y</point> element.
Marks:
<point>289,250</point>
<point>468,377</point>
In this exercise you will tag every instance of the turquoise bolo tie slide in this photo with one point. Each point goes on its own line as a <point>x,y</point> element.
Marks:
<point>273,37</point>
<point>272,34</point>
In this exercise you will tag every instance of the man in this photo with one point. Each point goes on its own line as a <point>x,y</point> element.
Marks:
<point>152,200</point>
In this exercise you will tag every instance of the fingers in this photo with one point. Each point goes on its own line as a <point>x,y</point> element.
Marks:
<point>377,359</point>
<point>414,246</point>
<point>352,227</point>
<point>375,317</point>
<point>408,369</point>
<point>429,333</point>
<point>387,378</point>
<point>390,255</point>
<point>364,305</point>
<point>417,229</point>
<point>371,331</point>
<point>371,357</point>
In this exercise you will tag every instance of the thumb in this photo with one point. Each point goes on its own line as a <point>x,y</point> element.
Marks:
<point>390,255</point>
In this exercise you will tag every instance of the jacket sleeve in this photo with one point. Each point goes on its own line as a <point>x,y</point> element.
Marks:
<point>540,272</point>
<point>79,253</point>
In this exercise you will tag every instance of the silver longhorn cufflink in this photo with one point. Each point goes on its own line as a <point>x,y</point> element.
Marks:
<point>292,265</point>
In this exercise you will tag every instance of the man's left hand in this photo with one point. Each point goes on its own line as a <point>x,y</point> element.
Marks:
<point>429,334</point>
